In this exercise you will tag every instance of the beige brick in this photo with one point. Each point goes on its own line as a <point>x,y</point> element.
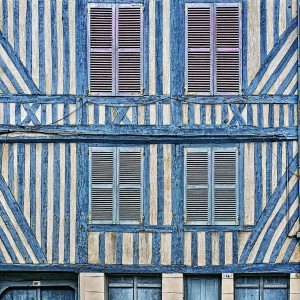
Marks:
<point>94,284</point>
<point>172,275</point>
<point>172,296</point>
<point>295,275</point>
<point>227,286</point>
<point>172,284</point>
<point>94,296</point>
<point>294,296</point>
<point>227,297</point>
<point>295,286</point>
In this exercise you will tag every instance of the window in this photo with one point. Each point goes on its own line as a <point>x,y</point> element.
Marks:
<point>115,49</point>
<point>213,51</point>
<point>202,287</point>
<point>134,287</point>
<point>211,186</point>
<point>116,185</point>
<point>261,288</point>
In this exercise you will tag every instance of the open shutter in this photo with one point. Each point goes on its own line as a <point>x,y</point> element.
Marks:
<point>129,49</point>
<point>197,187</point>
<point>199,52</point>
<point>102,177</point>
<point>225,186</point>
<point>101,49</point>
<point>228,49</point>
<point>130,185</point>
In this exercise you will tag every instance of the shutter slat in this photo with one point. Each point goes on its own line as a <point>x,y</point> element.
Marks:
<point>225,181</point>
<point>130,168</point>
<point>102,204</point>
<point>129,204</point>
<point>199,47</point>
<point>101,59</point>
<point>228,61</point>
<point>225,167</point>
<point>197,205</point>
<point>225,205</point>
<point>102,197</point>
<point>102,168</point>
<point>228,35</point>
<point>197,168</point>
<point>129,53</point>
<point>197,197</point>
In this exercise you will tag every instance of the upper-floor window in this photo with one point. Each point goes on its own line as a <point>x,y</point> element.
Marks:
<point>116,189</point>
<point>115,49</point>
<point>211,186</point>
<point>213,49</point>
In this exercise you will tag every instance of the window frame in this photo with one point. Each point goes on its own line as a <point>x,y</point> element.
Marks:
<point>115,50</point>
<point>213,48</point>
<point>116,185</point>
<point>211,186</point>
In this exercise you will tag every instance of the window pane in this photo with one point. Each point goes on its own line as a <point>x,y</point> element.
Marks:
<point>120,293</point>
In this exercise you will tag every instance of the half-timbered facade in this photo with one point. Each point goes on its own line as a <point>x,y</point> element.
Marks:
<point>149,149</point>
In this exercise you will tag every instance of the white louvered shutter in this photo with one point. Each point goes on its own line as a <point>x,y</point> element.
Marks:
<point>197,187</point>
<point>129,49</point>
<point>130,186</point>
<point>225,186</point>
<point>199,50</point>
<point>101,49</point>
<point>102,190</point>
<point>228,49</point>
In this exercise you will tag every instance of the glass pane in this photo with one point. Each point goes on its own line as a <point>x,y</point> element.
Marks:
<point>149,294</point>
<point>19,293</point>
<point>63,293</point>
<point>121,280</point>
<point>272,294</point>
<point>247,294</point>
<point>120,293</point>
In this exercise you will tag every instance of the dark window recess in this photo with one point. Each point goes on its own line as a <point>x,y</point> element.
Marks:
<point>134,288</point>
<point>213,49</point>
<point>261,288</point>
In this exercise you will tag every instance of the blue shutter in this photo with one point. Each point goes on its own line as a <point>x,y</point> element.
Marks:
<point>197,186</point>
<point>129,60</point>
<point>102,185</point>
<point>225,186</point>
<point>199,52</point>
<point>101,51</point>
<point>130,185</point>
<point>227,79</point>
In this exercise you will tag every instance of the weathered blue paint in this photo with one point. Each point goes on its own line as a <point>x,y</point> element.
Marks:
<point>32,191</point>
<point>82,204</point>
<point>258,181</point>
<point>263,27</point>
<point>28,36</point>
<point>194,248</point>
<point>44,195</point>
<point>65,13</point>
<point>56,202</point>
<point>54,48</point>
<point>155,248</point>
<point>42,57</point>
<point>160,185</point>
